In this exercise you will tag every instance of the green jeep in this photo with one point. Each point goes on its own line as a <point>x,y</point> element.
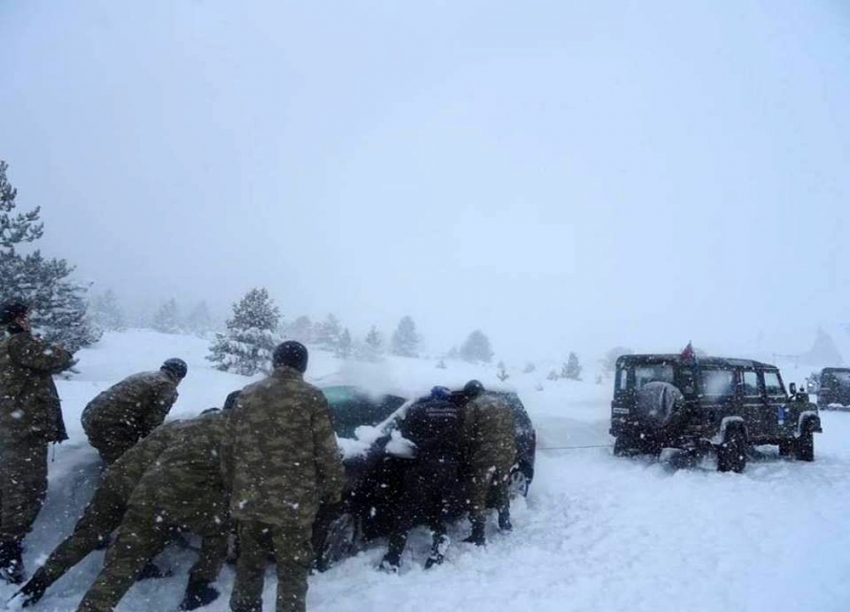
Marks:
<point>711,403</point>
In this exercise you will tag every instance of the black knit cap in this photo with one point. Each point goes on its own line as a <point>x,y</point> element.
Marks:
<point>12,310</point>
<point>292,354</point>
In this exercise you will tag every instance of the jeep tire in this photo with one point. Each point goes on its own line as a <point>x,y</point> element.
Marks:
<point>804,449</point>
<point>732,453</point>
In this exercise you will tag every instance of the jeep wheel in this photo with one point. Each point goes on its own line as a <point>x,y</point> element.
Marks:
<point>787,448</point>
<point>732,454</point>
<point>805,447</point>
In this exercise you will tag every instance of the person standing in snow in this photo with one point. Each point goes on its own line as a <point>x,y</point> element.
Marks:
<point>30,419</point>
<point>105,511</point>
<point>488,429</point>
<point>433,425</point>
<point>182,490</point>
<point>282,460</point>
<point>128,411</point>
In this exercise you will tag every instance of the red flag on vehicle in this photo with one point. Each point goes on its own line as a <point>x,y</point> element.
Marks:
<point>688,354</point>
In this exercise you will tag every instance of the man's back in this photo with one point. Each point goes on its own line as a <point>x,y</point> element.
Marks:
<point>129,401</point>
<point>433,425</point>
<point>489,428</point>
<point>281,454</point>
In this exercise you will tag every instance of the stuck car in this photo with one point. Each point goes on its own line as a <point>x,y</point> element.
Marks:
<point>375,469</point>
<point>708,404</point>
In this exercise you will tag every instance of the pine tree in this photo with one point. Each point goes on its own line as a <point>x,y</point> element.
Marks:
<point>328,333</point>
<point>405,340</point>
<point>59,308</point>
<point>199,320</point>
<point>106,311</point>
<point>477,348</point>
<point>344,345</point>
<point>251,335</point>
<point>301,330</point>
<point>374,339</point>
<point>167,318</point>
<point>529,368</point>
<point>571,369</point>
<point>502,372</point>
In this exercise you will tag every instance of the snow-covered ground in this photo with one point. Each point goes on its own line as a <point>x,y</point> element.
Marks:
<point>596,533</point>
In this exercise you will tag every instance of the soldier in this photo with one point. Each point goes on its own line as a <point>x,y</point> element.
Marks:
<point>433,425</point>
<point>126,412</point>
<point>488,429</point>
<point>282,459</point>
<point>104,512</point>
<point>182,491</point>
<point>30,418</point>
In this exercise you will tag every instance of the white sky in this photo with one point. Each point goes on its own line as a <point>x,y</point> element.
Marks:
<point>564,175</point>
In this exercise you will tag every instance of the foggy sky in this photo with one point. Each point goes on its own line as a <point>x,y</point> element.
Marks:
<point>563,175</point>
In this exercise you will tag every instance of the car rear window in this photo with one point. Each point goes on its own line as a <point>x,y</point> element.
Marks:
<point>660,372</point>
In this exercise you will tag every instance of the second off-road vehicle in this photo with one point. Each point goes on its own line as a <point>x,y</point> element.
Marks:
<point>834,389</point>
<point>705,404</point>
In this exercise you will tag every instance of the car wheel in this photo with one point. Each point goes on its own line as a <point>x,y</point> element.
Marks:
<point>339,542</point>
<point>787,448</point>
<point>732,453</point>
<point>805,447</point>
<point>518,484</point>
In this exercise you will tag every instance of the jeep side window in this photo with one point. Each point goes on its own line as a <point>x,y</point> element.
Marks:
<point>750,384</point>
<point>622,379</point>
<point>773,384</point>
<point>718,382</point>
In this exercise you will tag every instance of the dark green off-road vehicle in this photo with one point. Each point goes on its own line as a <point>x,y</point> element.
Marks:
<point>705,404</point>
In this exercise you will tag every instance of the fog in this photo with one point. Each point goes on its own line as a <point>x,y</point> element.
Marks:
<point>563,175</point>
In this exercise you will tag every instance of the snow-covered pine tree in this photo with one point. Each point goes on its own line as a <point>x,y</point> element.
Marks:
<point>106,312</point>
<point>251,335</point>
<point>199,320</point>
<point>301,329</point>
<point>502,372</point>
<point>374,340</point>
<point>571,369</point>
<point>167,318</point>
<point>344,346</point>
<point>477,348</point>
<point>59,307</point>
<point>405,340</point>
<point>328,333</point>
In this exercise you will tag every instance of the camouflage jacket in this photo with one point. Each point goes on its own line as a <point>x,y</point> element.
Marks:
<point>29,402</point>
<point>141,401</point>
<point>185,480</point>
<point>123,475</point>
<point>488,428</point>
<point>281,454</point>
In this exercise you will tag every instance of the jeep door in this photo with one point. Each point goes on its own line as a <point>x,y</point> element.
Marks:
<point>717,395</point>
<point>757,415</point>
<point>778,421</point>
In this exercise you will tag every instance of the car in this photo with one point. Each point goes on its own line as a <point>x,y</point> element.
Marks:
<point>375,464</point>
<point>834,391</point>
<point>708,404</point>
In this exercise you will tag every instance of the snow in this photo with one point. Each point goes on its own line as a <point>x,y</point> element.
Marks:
<point>597,533</point>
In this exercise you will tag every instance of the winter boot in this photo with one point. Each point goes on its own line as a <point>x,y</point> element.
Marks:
<point>438,552</point>
<point>505,519</point>
<point>152,570</point>
<point>390,563</point>
<point>31,592</point>
<point>198,594</point>
<point>11,564</point>
<point>477,535</point>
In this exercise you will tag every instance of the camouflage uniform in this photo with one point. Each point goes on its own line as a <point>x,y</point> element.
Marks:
<point>282,459</point>
<point>104,512</point>
<point>128,411</point>
<point>30,418</point>
<point>489,430</point>
<point>182,491</point>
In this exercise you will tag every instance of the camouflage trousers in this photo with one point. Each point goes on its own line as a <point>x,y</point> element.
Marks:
<point>294,556</point>
<point>23,485</point>
<point>487,477</point>
<point>113,442</point>
<point>100,517</point>
<point>143,534</point>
